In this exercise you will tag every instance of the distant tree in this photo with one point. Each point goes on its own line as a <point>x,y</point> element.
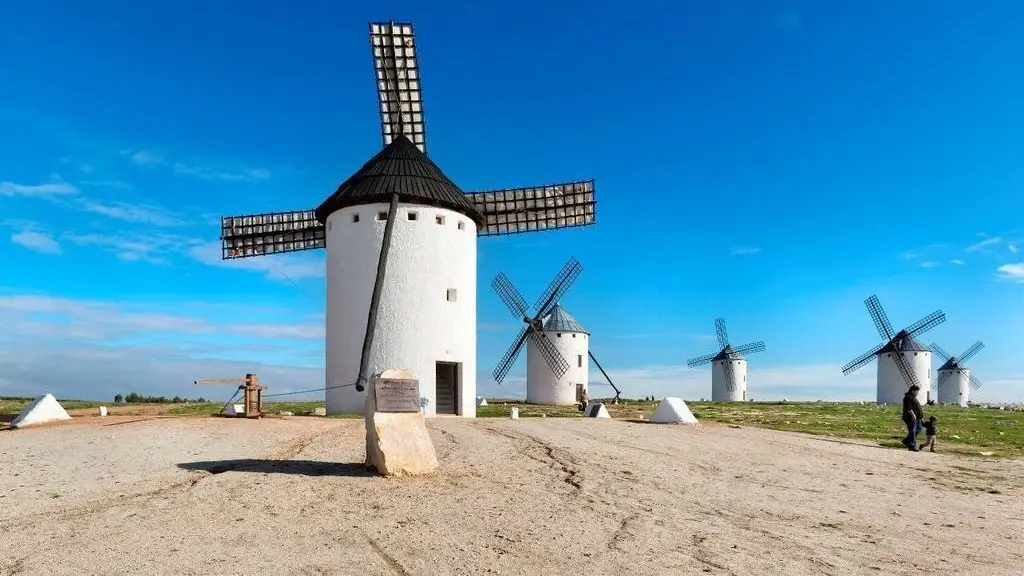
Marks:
<point>118,399</point>
<point>176,400</point>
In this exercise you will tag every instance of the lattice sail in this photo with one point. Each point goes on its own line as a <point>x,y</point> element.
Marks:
<point>537,208</point>
<point>271,233</point>
<point>399,94</point>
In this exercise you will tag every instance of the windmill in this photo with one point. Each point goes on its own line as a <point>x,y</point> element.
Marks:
<point>902,360</point>
<point>728,366</point>
<point>425,294</point>
<point>557,372</point>
<point>954,379</point>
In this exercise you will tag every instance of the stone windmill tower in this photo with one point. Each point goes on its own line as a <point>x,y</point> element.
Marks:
<point>728,366</point>
<point>954,379</point>
<point>401,248</point>
<point>902,360</point>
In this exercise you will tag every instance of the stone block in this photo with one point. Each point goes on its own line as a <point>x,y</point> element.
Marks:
<point>397,443</point>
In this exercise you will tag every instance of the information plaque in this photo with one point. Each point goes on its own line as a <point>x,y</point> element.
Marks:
<point>397,394</point>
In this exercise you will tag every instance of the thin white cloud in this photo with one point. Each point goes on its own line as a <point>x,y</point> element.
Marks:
<point>152,248</point>
<point>1012,247</point>
<point>41,242</point>
<point>929,264</point>
<point>957,261</point>
<point>112,184</point>
<point>69,195</point>
<point>151,159</point>
<point>119,320</point>
<point>1013,272</point>
<point>138,213</point>
<point>145,158</point>
<point>278,266</point>
<point>48,189</point>
<point>95,349</point>
<point>984,243</point>
<point>743,251</point>
<point>206,173</point>
<point>95,372</point>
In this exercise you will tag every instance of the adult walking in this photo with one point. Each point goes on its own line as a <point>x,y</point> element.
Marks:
<point>912,416</point>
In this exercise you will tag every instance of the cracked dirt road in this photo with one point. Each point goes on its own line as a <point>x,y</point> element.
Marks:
<point>534,496</point>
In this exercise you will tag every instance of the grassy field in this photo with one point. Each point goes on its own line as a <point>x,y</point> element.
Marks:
<point>969,431</point>
<point>12,405</point>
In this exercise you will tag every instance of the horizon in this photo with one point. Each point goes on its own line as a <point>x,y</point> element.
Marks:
<point>774,166</point>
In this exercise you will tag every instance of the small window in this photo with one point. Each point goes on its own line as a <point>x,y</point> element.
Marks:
<point>439,220</point>
<point>573,334</point>
<point>355,218</point>
<point>382,215</point>
<point>579,361</point>
<point>412,215</point>
<point>462,225</point>
<point>452,294</point>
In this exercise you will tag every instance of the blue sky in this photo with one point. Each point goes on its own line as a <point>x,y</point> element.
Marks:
<point>774,163</point>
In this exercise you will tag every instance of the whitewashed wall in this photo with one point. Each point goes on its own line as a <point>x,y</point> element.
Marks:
<point>720,382</point>
<point>541,385</point>
<point>892,386</point>
<point>954,386</point>
<point>416,324</point>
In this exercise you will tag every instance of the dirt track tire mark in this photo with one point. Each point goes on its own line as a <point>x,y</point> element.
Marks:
<point>550,455</point>
<point>387,558</point>
<point>622,532</point>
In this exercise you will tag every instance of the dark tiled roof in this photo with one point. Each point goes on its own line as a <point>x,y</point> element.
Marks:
<point>728,353</point>
<point>400,167</point>
<point>904,343</point>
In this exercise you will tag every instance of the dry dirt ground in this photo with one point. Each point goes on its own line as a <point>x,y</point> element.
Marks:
<point>123,495</point>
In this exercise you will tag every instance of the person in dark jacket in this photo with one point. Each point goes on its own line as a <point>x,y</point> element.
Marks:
<point>912,416</point>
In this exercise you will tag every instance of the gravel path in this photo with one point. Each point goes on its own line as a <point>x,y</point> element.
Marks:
<point>534,496</point>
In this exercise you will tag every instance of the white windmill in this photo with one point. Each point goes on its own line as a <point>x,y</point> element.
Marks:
<point>557,365</point>
<point>728,366</point>
<point>954,379</point>
<point>400,204</point>
<point>902,360</point>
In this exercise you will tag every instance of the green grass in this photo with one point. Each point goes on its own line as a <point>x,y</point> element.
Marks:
<point>269,408</point>
<point>14,405</point>
<point>978,429</point>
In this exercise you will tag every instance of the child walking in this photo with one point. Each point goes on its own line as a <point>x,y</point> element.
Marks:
<point>929,428</point>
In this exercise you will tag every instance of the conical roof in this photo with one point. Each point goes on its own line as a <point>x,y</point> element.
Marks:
<point>558,320</point>
<point>951,364</point>
<point>905,343</point>
<point>400,167</point>
<point>728,353</point>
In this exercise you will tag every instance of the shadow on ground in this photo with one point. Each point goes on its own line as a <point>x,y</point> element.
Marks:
<point>265,466</point>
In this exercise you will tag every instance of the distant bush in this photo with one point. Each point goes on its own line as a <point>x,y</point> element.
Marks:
<point>136,398</point>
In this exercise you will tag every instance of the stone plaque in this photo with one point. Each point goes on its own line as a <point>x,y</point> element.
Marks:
<point>397,394</point>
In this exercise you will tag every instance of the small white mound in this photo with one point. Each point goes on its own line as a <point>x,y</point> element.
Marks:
<point>597,410</point>
<point>481,401</point>
<point>43,409</point>
<point>672,410</point>
<point>235,410</point>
